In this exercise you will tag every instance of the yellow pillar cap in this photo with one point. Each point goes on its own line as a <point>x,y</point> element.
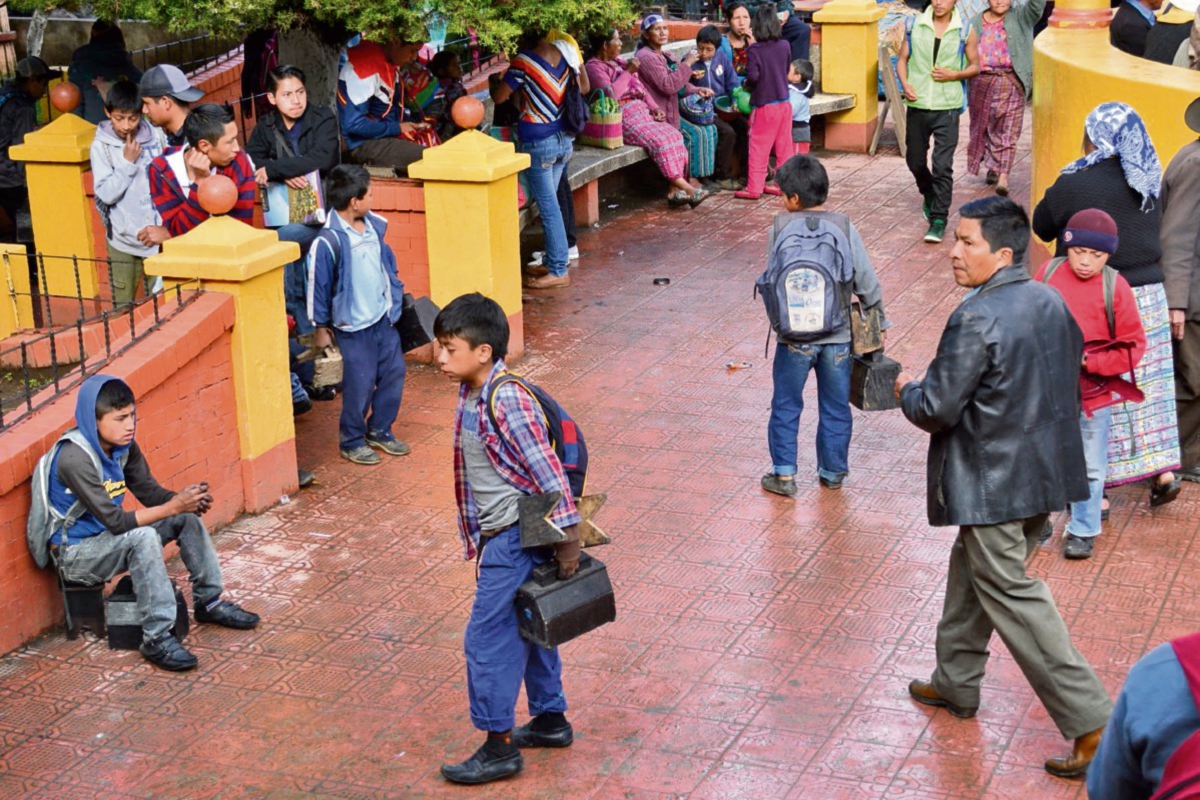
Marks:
<point>222,249</point>
<point>849,12</point>
<point>470,157</point>
<point>66,140</point>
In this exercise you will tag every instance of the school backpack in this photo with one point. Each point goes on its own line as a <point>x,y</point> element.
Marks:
<point>565,436</point>
<point>44,519</point>
<point>1109,276</point>
<point>1181,775</point>
<point>807,285</point>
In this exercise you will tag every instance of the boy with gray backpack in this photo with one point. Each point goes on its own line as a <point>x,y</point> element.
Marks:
<point>816,261</point>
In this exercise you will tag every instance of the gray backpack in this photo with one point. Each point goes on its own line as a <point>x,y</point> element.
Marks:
<point>44,518</point>
<point>807,285</point>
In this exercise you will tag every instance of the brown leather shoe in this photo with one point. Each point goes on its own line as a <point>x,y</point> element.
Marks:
<point>537,271</point>
<point>923,692</point>
<point>548,282</point>
<point>1076,763</point>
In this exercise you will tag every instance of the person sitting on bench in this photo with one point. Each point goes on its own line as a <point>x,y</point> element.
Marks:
<point>95,464</point>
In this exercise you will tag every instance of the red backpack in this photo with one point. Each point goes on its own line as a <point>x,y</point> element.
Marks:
<point>1181,776</point>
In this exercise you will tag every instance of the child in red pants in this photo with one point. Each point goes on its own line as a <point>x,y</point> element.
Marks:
<point>800,89</point>
<point>767,64</point>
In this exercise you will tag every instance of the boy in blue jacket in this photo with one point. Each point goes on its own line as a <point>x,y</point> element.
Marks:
<point>96,464</point>
<point>353,288</point>
<point>715,71</point>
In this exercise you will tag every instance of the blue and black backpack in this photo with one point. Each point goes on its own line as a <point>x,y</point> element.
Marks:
<point>565,436</point>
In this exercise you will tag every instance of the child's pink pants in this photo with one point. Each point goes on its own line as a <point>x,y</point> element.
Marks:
<point>770,128</point>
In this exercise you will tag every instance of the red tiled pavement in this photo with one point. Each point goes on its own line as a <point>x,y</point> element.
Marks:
<point>762,646</point>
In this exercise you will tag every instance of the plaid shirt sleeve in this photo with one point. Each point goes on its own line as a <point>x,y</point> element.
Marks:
<point>523,429</point>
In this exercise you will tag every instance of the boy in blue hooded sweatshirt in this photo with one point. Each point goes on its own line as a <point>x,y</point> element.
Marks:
<point>96,465</point>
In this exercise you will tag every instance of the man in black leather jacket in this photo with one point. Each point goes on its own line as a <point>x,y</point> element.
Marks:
<point>1001,402</point>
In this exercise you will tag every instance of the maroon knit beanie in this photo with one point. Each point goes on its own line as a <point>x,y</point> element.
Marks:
<point>1091,228</point>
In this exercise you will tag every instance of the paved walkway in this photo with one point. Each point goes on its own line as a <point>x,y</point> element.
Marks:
<point>762,646</point>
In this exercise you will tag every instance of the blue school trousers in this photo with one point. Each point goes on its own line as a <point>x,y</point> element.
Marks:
<point>372,381</point>
<point>498,658</point>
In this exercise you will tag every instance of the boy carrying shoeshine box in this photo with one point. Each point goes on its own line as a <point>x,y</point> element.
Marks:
<point>500,456</point>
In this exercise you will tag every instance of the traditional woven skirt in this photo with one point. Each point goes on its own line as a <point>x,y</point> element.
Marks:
<point>701,141</point>
<point>663,143</point>
<point>1143,439</point>
<point>997,103</point>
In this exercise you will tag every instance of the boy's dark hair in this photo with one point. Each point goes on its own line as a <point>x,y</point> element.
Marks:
<point>765,24</point>
<point>206,123</point>
<point>124,96</point>
<point>709,34</point>
<point>803,68</point>
<point>282,73</point>
<point>804,177</point>
<point>477,320</point>
<point>1003,223</point>
<point>441,61</point>
<point>346,182</point>
<point>113,395</point>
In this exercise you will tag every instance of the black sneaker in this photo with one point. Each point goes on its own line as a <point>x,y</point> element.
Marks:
<point>488,764</point>
<point>167,653</point>
<point>302,406</point>
<point>227,614</point>
<point>305,478</point>
<point>1078,546</point>
<point>776,485</point>
<point>392,446</point>
<point>324,394</point>
<point>833,483</point>
<point>361,455</point>
<point>532,735</point>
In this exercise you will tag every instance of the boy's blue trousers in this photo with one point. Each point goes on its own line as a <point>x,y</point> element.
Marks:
<point>498,659</point>
<point>372,380</point>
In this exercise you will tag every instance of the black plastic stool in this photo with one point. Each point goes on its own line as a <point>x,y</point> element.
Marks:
<point>84,604</point>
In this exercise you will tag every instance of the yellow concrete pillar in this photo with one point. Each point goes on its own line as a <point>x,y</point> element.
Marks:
<point>1081,14</point>
<point>471,223</point>
<point>850,65</point>
<point>56,156</point>
<point>16,303</point>
<point>231,257</point>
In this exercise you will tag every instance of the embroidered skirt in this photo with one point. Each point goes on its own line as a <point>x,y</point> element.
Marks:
<point>997,103</point>
<point>701,141</point>
<point>663,142</point>
<point>1143,439</point>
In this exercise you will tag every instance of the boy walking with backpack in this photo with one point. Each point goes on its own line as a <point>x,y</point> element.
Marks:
<point>353,288</point>
<point>503,452</point>
<point>78,519</point>
<point>1106,311</point>
<point>815,259</point>
<point>122,150</point>
<point>940,52</point>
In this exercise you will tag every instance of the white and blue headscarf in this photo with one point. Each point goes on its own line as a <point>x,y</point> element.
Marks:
<point>1117,130</point>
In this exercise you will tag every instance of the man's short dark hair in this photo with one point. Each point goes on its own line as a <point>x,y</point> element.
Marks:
<point>765,24</point>
<point>1003,223</point>
<point>709,34</point>
<point>804,177</point>
<point>346,182</point>
<point>281,74</point>
<point>124,96</point>
<point>477,320</point>
<point>441,62</point>
<point>113,395</point>
<point>206,123</point>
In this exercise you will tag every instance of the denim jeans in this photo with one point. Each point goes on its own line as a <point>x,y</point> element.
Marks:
<point>295,274</point>
<point>97,559</point>
<point>372,383</point>
<point>1085,516</point>
<point>547,161</point>
<point>834,422</point>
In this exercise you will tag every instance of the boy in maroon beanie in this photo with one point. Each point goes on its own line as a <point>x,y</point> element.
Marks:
<point>1104,307</point>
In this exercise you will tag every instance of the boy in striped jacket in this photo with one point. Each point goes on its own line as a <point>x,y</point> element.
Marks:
<point>212,148</point>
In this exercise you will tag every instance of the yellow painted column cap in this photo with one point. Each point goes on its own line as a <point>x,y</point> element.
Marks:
<point>222,249</point>
<point>66,140</point>
<point>470,157</point>
<point>848,12</point>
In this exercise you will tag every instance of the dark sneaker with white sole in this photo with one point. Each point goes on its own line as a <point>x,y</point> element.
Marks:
<point>393,446</point>
<point>1078,546</point>
<point>362,455</point>
<point>167,653</point>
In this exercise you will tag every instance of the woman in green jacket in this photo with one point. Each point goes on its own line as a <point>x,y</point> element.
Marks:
<point>997,95</point>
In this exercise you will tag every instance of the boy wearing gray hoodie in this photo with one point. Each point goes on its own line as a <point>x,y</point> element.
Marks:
<point>123,148</point>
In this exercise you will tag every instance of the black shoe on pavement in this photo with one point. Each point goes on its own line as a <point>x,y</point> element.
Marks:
<point>834,483</point>
<point>1078,546</point>
<point>306,478</point>
<point>227,614</point>
<point>1189,474</point>
<point>490,763</point>
<point>539,732</point>
<point>1163,493</point>
<point>777,485</point>
<point>301,407</point>
<point>324,394</point>
<point>167,653</point>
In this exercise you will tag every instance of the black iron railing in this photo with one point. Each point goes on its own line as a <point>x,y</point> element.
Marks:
<point>473,57</point>
<point>56,354</point>
<point>193,54</point>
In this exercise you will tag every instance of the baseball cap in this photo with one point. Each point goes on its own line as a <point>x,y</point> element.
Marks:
<point>167,79</point>
<point>1192,115</point>
<point>34,67</point>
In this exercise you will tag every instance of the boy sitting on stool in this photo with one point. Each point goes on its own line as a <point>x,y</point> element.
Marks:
<point>353,287</point>
<point>106,539</point>
<point>494,467</point>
